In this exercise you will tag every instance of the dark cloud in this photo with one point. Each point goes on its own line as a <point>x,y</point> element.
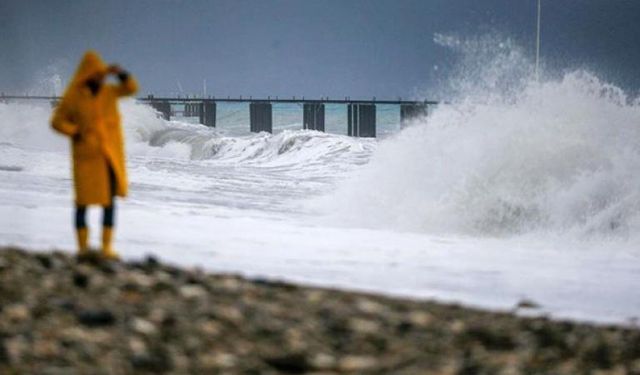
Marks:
<point>313,48</point>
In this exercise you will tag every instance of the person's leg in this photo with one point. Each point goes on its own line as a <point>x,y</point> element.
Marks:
<point>108,220</point>
<point>82,232</point>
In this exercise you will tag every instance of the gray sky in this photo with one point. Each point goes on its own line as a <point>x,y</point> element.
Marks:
<point>357,48</point>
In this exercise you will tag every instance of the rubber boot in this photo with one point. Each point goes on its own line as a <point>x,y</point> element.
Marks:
<point>108,253</point>
<point>82,235</point>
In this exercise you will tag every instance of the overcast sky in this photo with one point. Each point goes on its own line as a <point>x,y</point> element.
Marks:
<point>314,48</point>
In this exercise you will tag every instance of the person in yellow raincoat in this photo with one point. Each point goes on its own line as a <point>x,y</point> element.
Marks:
<point>89,115</point>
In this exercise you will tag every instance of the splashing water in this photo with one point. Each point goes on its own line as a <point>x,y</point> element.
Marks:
<point>508,156</point>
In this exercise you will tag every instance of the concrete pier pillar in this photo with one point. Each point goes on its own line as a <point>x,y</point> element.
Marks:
<point>313,116</point>
<point>361,120</point>
<point>410,112</point>
<point>260,117</point>
<point>208,113</point>
<point>164,107</point>
<point>192,109</point>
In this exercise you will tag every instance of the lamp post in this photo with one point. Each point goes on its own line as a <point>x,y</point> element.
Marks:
<point>538,45</point>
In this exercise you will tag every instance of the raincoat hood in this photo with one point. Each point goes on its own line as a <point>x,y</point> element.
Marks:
<point>90,64</point>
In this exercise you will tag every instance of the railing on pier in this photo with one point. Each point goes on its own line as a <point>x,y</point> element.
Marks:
<point>361,114</point>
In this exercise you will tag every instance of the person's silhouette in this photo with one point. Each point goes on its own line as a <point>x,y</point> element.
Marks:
<point>88,114</point>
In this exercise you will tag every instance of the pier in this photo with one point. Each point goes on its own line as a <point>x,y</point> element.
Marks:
<point>361,113</point>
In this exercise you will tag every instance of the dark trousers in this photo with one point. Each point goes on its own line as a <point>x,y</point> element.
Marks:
<point>108,212</point>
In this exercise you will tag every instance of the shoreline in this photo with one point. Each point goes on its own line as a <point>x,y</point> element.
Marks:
<point>58,316</point>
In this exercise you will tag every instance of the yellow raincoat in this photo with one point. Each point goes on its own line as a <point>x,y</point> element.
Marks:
<point>93,124</point>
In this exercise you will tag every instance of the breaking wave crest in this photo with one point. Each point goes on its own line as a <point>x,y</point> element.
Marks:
<point>560,156</point>
<point>196,142</point>
<point>27,126</point>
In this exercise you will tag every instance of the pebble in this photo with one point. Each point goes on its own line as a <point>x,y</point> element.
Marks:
<point>80,279</point>
<point>16,347</point>
<point>96,317</point>
<point>352,363</point>
<point>420,318</point>
<point>210,328</point>
<point>49,324</point>
<point>289,362</point>
<point>363,326</point>
<point>143,327</point>
<point>368,306</point>
<point>217,360</point>
<point>192,291</point>
<point>16,313</point>
<point>323,361</point>
<point>139,280</point>
<point>231,284</point>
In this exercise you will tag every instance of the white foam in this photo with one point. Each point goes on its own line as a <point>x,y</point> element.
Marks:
<point>557,158</point>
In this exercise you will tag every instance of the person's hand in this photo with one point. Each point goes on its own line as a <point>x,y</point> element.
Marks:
<point>114,69</point>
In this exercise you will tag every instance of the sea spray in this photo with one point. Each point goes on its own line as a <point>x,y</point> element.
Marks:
<point>507,156</point>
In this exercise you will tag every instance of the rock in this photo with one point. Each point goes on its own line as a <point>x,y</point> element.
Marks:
<point>527,304</point>
<point>151,261</point>
<point>227,324</point>
<point>153,362</point>
<point>231,284</point>
<point>363,326</point>
<point>230,314</point>
<point>209,328</point>
<point>46,348</point>
<point>143,327</point>
<point>192,291</point>
<point>137,280</point>
<point>315,296</point>
<point>323,361</point>
<point>457,326</point>
<point>80,279</point>
<point>292,363</point>
<point>45,260</point>
<point>16,347</point>
<point>420,318</point>
<point>368,306</point>
<point>16,313</point>
<point>154,358</point>
<point>4,353</point>
<point>352,363</point>
<point>217,360</point>
<point>137,346</point>
<point>149,264</point>
<point>96,317</point>
<point>295,340</point>
<point>83,336</point>
<point>110,268</point>
<point>491,338</point>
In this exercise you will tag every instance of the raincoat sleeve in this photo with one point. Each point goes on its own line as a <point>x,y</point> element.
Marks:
<point>61,121</point>
<point>128,85</point>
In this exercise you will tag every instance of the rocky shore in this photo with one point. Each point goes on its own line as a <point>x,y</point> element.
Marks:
<point>58,316</point>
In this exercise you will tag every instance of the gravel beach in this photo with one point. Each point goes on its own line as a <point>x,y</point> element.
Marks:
<point>58,316</point>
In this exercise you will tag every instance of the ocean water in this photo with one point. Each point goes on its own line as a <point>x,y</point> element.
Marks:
<point>233,118</point>
<point>514,189</point>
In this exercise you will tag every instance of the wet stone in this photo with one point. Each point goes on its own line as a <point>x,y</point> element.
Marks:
<point>192,291</point>
<point>229,325</point>
<point>16,313</point>
<point>357,363</point>
<point>292,363</point>
<point>80,279</point>
<point>96,318</point>
<point>143,327</point>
